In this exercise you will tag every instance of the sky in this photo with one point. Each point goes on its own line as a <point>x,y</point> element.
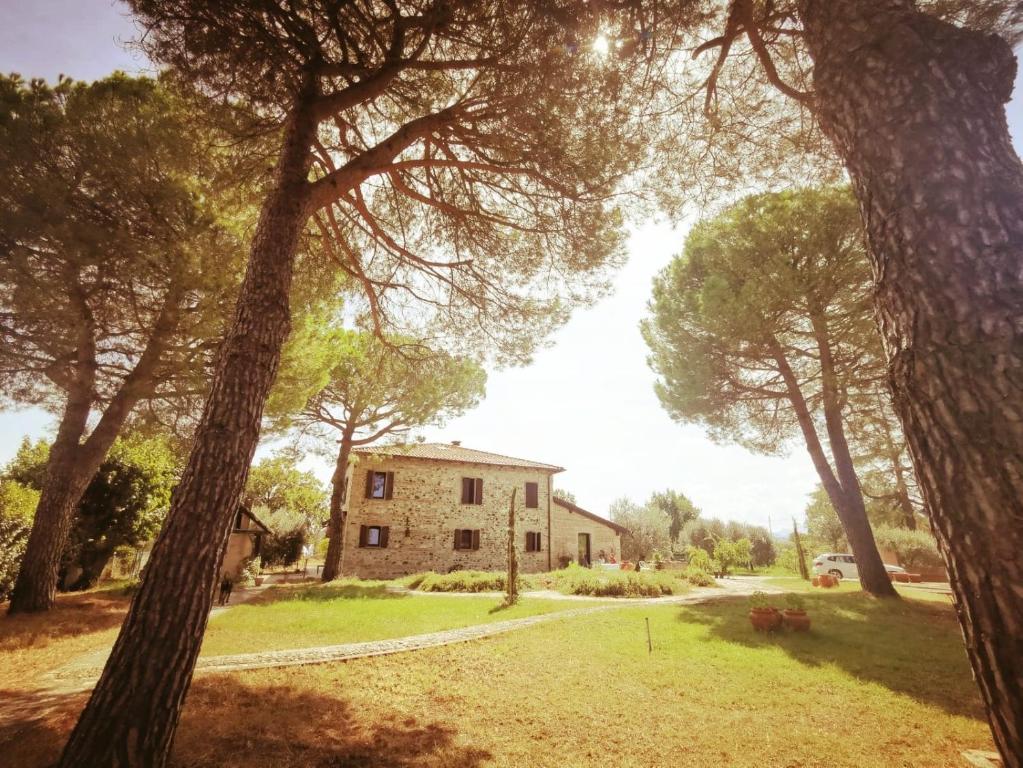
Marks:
<point>585,403</point>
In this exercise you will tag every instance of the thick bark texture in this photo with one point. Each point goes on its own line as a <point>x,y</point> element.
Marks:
<point>66,481</point>
<point>336,543</point>
<point>915,107</point>
<point>73,463</point>
<point>133,713</point>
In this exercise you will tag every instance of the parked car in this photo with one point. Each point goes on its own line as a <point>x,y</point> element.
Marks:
<point>843,566</point>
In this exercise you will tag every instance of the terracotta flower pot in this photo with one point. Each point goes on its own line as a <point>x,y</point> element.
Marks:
<point>816,581</point>
<point>258,580</point>
<point>765,619</point>
<point>797,621</point>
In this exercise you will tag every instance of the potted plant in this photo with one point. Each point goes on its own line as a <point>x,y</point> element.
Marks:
<point>762,615</point>
<point>794,615</point>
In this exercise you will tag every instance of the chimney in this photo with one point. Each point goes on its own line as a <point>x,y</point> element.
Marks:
<point>456,443</point>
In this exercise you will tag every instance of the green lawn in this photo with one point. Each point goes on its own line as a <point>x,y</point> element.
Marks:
<point>348,612</point>
<point>873,684</point>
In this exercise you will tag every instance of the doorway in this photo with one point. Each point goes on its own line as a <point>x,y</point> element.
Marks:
<point>584,549</point>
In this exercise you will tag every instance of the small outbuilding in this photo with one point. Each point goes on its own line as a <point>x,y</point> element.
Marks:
<point>245,541</point>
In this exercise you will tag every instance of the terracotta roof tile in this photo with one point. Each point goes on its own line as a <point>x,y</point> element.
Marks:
<point>456,453</point>
<point>586,513</point>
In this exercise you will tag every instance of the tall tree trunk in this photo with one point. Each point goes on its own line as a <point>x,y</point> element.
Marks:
<point>133,712</point>
<point>851,514</point>
<point>72,463</point>
<point>66,481</point>
<point>336,543</point>
<point>915,107</point>
<point>93,562</point>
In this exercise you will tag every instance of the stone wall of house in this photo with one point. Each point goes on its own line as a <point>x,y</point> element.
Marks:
<point>565,529</point>
<point>239,547</point>
<point>425,509</point>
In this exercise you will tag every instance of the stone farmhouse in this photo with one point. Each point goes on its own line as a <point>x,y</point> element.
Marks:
<point>441,507</point>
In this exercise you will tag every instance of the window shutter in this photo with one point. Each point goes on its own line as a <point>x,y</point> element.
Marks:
<point>458,538</point>
<point>467,490</point>
<point>478,498</point>
<point>476,539</point>
<point>532,495</point>
<point>369,484</point>
<point>363,535</point>
<point>389,485</point>
<point>384,530</point>
<point>529,541</point>
<point>539,547</point>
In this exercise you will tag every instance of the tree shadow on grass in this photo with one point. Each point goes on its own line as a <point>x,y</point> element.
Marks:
<point>229,723</point>
<point>74,614</point>
<point>910,647</point>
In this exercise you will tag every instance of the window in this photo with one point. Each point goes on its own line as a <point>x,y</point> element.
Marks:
<point>379,485</point>
<point>533,541</point>
<point>373,536</point>
<point>532,495</point>
<point>467,538</point>
<point>472,490</point>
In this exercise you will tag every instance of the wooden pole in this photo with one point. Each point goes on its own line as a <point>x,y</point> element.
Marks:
<point>513,566</point>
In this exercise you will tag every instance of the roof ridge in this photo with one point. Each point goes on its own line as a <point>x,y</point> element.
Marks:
<point>467,454</point>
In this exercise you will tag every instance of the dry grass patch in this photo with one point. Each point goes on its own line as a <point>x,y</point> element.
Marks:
<point>79,623</point>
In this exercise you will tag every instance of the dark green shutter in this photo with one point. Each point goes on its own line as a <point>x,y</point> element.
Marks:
<point>476,539</point>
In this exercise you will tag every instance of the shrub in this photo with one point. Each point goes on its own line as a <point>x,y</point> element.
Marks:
<point>915,549</point>
<point>698,577</point>
<point>759,601</point>
<point>17,508</point>
<point>250,569</point>
<point>413,581</point>
<point>795,602</point>
<point>289,533</point>
<point>699,559</point>
<point>463,581</point>
<point>576,580</point>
